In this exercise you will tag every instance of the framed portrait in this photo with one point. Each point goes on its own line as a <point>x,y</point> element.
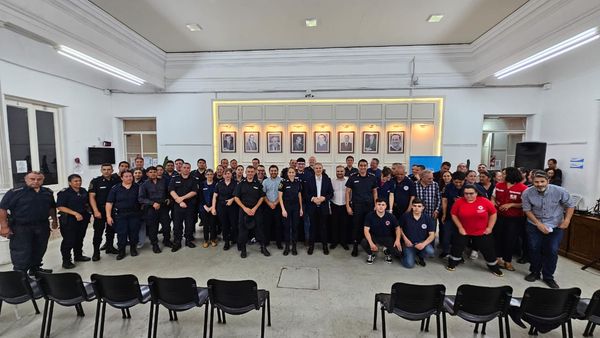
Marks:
<point>345,142</point>
<point>322,141</point>
<point>274,139</point>
<point>228,141</point>
<point>370,142</point>
<point>395,142</point>
<point>298,142</point>
<point>251,141</point>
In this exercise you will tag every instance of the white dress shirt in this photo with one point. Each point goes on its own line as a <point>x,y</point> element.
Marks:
<point>339,191</point>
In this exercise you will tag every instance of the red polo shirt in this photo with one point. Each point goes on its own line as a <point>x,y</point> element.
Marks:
<point>505,195</point>
<point>473,216</point>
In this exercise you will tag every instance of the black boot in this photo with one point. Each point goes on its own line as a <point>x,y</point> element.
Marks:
<point>355,250</point>
<point>243,253</point>
<point>286,250</point>
<point>156,248</point>
<point>279,246</point>
<point>311,248</point>
<point>121,254</point>
<point>294,251</point>
<point>82,258</point>
<point>226,246</point>
<point>110,249</point>
<point>133,250</point>
<point>67,264</point>
<point>167,243</point>
<point>325,249</point>
<point>264,251</point>
<point>96,255</point>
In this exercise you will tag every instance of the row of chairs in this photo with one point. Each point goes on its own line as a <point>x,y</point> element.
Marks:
<point>543,309</point>
<point>124,292</point>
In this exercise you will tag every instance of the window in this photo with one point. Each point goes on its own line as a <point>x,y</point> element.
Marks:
<point>140,140</point>
<point>33,142</point>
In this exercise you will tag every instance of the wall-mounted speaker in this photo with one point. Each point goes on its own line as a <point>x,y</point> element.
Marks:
<point>530,155</point>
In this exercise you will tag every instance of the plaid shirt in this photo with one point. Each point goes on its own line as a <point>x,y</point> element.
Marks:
<point>431,197</point>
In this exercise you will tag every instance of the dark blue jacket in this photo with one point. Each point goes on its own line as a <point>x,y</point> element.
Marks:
<point>310,187</point>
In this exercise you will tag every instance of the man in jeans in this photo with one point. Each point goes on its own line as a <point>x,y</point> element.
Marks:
<point>381,228</point>
<point>418,232</point>
<point>549,209</point>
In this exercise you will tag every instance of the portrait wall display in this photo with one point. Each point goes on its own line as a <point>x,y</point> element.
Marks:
<point>251,141</point>
<point>345,142</point>
<point>274,139</point>
<point>228,142</point>
<point>322,141</point>
<point>298,142</point>
<point>395,142</point>
<point>370,141</point>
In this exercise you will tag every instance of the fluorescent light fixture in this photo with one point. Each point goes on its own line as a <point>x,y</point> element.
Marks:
<point>435,18</point>
<point>311,22</point>
<point>549,53</point>
<point>99,65</point>
<point>194,27</point>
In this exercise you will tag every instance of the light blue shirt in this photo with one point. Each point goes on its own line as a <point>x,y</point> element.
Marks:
<point>548,206</point>
<point>271,188</point>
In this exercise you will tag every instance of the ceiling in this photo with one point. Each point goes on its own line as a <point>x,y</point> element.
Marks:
<point>279,24</point>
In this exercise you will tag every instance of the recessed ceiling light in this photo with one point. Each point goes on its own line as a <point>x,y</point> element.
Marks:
<point>194,27</point>
<point>311,22</point>
<point>435,18</point>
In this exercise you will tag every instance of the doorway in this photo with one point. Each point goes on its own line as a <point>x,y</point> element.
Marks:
<point>499,140</point>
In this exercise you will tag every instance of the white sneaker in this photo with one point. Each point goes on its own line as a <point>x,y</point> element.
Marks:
<point>370,259</point>
<point>474,254</point>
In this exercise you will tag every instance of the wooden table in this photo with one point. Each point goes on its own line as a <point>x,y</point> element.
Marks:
<point>581,242</point>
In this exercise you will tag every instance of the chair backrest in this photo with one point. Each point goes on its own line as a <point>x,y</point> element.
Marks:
<point>553,304</point>
<point>482,300</point>
<point>62,286</point>
<point>119,288</point>
<point>593,309</point>
<point>173,291</point>
<point>417,298</point>
<point>14,284</point>
<point>233,294</point>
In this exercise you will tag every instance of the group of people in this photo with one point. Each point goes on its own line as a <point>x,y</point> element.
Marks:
<point>357,206</point>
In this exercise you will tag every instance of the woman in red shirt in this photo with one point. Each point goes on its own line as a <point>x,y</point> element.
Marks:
<point>474,217</point>
<point>511,219</point>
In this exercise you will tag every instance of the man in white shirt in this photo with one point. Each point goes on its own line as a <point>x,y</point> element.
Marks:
<point>339,216</point>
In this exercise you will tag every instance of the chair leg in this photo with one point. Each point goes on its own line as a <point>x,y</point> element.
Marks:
<point>483,326</point>
<point>592,329</point>
<point>570,329</point>
<point>501,327</point>
<point>427,324</point>
<point>212,316</point>
<point>155,320</point>
<point>150,320</point>
<point>175,315</point>
<point>44,319</point>
<point>96,319</point>
<point>564,330</point>
<point>587,329</point>
<point>205,318</point>
<point>123,314</point>
<point>476,329</point>
<point>35,306</point>
<point>50,313</point>
<point>170,315</point>
<point>219,320</point>
<point>531,331</point>
<point>262,324</point>
<point>375,315</point>
<point>80,311</point>
<point>128,313</point>
<point>444,324</point>
<point>438,326</point>
<point>507,326</point>
<point>223,315</point>
<point>1,306</point>
<point>422,325</point>
<point>383,322</point>
<point>102,318</point>
<point>268,309</point>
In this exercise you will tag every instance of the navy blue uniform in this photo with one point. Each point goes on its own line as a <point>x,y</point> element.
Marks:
<point>126,214</point>
<point>350,172</point>
<point>403,191</point>
<point>72,230</point>
<point>149,194</point>
<point>28,221</point>
<point>182,186</point>
<point>209,221</point>
<point>318,213</point>
<point>228,215</point>
<point>417,230</point>
<point>100,187</point>
<point>381,230</point>
<point>249,194</point>
<point>383,191</point>
<point>361,201</point>
<point>448,229</point>
<point>290,191</point>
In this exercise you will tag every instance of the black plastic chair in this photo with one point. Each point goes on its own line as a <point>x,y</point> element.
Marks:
<point>121,292</point>
<point>547,309</point>
<point>66,289</point>
<point>175,294</point>
<point>480,304</point>
<point>17,288</point>
<point>414,303</point>
<point>589,309</point>
<point>237,298</point>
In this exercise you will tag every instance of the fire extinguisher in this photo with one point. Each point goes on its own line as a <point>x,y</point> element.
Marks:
<point>493,161</point>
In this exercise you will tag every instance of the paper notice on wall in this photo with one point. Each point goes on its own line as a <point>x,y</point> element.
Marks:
<point>576,163</point>
<point>21,167</point>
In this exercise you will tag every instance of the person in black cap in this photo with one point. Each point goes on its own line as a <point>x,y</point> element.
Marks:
<point>249,195</point>
<point>27,227</point>
<point>361,193</point>
<point>123,213</point>
<point>73,204</point>
<point>98,192</point>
